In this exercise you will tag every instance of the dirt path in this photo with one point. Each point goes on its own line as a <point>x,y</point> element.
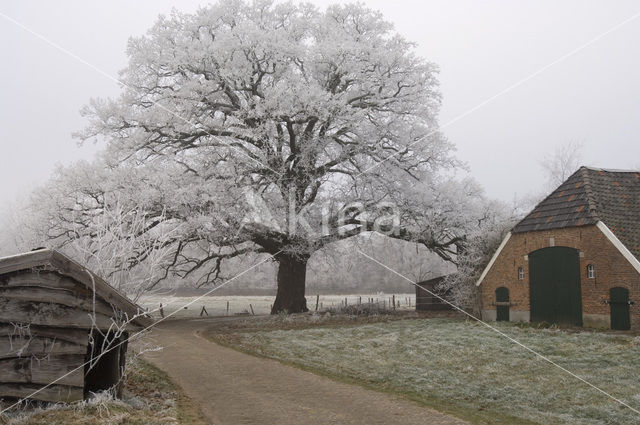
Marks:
<point>235,388</point>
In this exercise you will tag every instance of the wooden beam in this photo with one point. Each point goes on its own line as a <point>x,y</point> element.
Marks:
<point>70,268</point>
<point>25,261</point>
<point>25,346</point>
<point>47,262</point>
<point>49,314</point>
<point>45,370</point>
<point>74,336</point>
<point>54,393</point>
<point>37,278</point>
<point>59,296</point>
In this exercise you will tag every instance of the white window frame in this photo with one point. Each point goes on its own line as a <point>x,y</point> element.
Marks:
<point>520,273</point>
<point>591,271</point>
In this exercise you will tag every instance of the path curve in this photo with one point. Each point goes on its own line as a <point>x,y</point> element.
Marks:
<point>233,388</point>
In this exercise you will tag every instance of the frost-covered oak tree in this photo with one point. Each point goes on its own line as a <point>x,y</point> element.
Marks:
<point>280,129</point>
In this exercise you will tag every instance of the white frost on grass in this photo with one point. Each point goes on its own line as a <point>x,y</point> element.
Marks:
<point>474,367</point>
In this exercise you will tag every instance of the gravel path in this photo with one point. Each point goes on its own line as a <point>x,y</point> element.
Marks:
<point>233,388</point>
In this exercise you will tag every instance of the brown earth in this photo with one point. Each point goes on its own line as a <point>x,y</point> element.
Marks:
<point>233,388</point>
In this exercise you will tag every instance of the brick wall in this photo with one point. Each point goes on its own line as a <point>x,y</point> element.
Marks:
<point>611,270</point>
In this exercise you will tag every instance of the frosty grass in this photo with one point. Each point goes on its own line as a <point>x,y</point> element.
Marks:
<point>471,366</point>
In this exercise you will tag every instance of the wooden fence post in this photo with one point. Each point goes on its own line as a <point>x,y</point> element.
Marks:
<point>161,311</point>
<point>251,307</point>
<point>317,301</point>
<point>227,308</point>
<point>203,311</point>
<point>393,298</point>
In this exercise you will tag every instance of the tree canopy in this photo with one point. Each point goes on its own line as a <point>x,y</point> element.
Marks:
<point>270,128</point>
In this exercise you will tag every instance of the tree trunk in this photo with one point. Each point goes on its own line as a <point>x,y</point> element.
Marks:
<point>292,272</point>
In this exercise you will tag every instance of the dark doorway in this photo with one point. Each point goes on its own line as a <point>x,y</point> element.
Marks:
<point>502,304</point>
<point>554,289</point>
<point>619,303</point>
<point>105,372</point>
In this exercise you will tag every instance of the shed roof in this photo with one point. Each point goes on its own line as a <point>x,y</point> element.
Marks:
<point>66,266</point>
<point>590,195</point>
<point>433,281</point>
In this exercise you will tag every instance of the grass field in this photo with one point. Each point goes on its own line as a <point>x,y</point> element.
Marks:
<point>464,367</point>
<point>217,305</point>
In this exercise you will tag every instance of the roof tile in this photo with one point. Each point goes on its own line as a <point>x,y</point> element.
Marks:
<point>588,196</point>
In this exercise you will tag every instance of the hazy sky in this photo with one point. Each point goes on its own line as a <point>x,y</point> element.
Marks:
<point>482,48</point>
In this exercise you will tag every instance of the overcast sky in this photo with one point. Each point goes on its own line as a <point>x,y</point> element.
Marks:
<point>482,48</point>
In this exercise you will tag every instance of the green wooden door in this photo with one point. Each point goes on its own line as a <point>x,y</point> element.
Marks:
<point>554,286</point>
<point>502,304</point>
<point>619,303</point>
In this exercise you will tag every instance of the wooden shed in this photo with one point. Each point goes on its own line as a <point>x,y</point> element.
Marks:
<point>425,300</point>
<point>55,315</point>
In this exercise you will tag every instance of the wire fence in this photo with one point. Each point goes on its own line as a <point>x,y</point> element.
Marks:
<point>260,305</point>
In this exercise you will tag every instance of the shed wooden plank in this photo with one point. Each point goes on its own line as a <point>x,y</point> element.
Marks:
<point>58,296</point>
<point>48,261</point>
<point>12,346</point>
<point>54,393</point>
<point>70,268</point>
<point>38,278</point>
<point>31,370</point>
<point>55,281</point>
<point>74,336</point>
<point>46,279</point>
<point>48,314</point>
<point>26,260</point>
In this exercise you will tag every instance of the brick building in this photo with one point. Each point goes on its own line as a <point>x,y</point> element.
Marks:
<point>574,258</point>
